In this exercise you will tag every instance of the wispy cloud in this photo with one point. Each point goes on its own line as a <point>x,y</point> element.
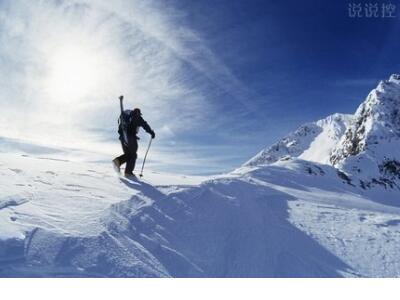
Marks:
<point>141,49</point>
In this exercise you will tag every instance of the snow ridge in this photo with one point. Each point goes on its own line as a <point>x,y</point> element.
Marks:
<point>312,141</point>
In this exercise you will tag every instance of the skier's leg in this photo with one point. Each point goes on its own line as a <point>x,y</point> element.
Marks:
<point>134,150</point>
<point>123,158</point>
<point>131,160</point>
<point>118,161</point>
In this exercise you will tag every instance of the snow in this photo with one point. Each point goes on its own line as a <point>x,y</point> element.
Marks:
<point>300,208</point>
<point>333,128</point>
<point>292,218</point>
<point>373,137</point>
<point>312,141</point>
<point>63,196</point>
<point>365,146</point>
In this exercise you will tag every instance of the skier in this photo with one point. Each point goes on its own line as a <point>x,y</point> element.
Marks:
<point>129,124</point>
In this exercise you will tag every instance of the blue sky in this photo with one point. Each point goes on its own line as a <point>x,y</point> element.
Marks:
<point>218,80</point>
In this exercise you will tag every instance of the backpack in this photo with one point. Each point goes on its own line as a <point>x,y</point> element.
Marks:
<point>125,124</point>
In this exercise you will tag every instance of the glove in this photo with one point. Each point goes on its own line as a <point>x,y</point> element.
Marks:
<point>153,134</point>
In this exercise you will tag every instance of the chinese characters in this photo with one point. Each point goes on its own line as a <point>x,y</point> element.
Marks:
<point>372,10</point>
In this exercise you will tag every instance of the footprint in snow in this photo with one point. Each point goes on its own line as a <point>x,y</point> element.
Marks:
<point>55,159</point>
<point>17,171</point>
<point>42,181</point>
<point>388,223</point>
<point>83,174</point>
<point>70,189</point>
<point>75,185</point>
<point>11,201</point>
<point>51,173</point>
<point>362,217</point>
<point>98,173</point>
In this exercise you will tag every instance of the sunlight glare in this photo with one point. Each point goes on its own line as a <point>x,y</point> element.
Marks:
<point>73,74</point>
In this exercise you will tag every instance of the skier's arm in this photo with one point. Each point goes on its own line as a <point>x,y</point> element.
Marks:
<point>147,127</point>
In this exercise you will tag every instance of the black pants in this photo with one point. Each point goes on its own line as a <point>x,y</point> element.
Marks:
<point>130,155</point>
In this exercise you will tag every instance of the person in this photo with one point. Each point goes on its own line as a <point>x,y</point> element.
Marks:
<point>129,140</point>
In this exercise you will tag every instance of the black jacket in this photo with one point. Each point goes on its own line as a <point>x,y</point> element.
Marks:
<point>135,122</point>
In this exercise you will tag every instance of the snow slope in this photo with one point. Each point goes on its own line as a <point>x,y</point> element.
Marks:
<point>45,202</point>
<point>312,141</point>
<point>288,219</point>
<point>322,202</point>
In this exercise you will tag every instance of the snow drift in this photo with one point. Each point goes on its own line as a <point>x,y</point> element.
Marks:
<point>225,227</point>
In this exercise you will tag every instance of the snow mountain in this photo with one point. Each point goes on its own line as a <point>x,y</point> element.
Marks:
<point>369,149</point>
<point>312,141</point>
<point>363,146</point>
<point>322,202</point>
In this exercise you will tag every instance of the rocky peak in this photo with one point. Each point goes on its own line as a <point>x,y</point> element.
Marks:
<point>364,146</point>
<point>395,78</point>
<point>370,147</point>
<point>376,119</point>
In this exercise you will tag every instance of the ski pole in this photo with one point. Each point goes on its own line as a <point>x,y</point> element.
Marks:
<point>145,156</point>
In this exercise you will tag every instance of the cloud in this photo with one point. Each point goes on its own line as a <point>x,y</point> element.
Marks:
<point>141,49</point>
<point>185,43</point>
<point>131,63</point>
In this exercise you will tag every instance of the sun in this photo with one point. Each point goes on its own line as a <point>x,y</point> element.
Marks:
<point>74,72</point>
